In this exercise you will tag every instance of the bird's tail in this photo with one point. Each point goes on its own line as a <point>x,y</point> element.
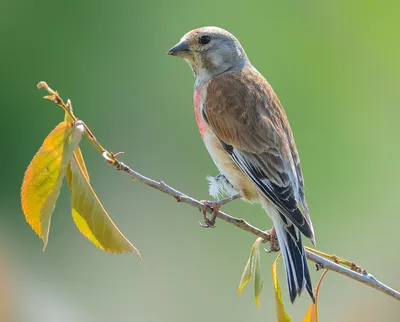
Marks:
<point>294,257</point>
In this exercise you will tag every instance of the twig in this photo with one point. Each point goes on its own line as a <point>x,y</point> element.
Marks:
<point>364,278</point>
<point>181,197</point>
<point>313,255</point>
<point>322,262</point>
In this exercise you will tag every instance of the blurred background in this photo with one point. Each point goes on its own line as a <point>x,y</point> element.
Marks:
<point>335,67</point>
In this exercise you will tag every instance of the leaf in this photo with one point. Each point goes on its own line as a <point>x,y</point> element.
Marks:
<point>88,213</point>
<point>281,315</point>
<point>90,216</point>
<point>253,268</point>
<point>312,313</point>
<point>77,153</point>
<point>246,274</point>
<point>258,284</point>
<point>79,159</point>
<point>44,176</point>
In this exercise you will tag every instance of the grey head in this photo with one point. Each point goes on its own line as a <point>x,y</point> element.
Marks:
<point>210,51</point>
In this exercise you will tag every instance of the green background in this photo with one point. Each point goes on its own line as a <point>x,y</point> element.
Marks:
<point>335,66</point>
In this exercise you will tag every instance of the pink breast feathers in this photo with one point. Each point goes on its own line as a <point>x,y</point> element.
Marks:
<point>202,125</point>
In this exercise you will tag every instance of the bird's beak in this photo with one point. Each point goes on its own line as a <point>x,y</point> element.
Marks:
<point>180,49</point>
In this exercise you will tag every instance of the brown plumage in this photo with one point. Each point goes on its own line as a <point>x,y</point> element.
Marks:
<point>248,136</point>
<point>244,112</point>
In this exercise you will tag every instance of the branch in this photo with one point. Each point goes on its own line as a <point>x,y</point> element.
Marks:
<point>181,197</point>
<point>322,260</point>
<point>356,273</point>
<point>364,277</point>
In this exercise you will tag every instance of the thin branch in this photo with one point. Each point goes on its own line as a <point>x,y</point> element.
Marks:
<point>321,259</point>
<point>363,277</point>
<point>181,197</point>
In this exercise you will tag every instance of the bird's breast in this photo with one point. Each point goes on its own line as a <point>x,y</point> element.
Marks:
<point>221,158</point>
<point>198,99</point>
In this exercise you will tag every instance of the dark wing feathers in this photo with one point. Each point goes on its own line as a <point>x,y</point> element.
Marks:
<point>281,195</point>
<point>246,115</point>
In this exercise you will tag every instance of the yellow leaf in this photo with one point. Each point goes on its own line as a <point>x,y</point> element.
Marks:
<point>90,216</point>
<point>79,159</point>
<point>253,268</point>
<point>245,276</point>
<point>44,176</point>
<point>88,213</point>
<point>77,153</point>
<point>258,284</point>
<point>281,315</point>
<point>312,313</point>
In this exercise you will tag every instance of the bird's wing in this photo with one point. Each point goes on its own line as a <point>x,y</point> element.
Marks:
<point>245,114</point>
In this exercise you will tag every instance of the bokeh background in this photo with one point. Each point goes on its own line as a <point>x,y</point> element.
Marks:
<point>335,66</point>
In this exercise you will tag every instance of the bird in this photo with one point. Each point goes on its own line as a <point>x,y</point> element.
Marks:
<point>247,134</point>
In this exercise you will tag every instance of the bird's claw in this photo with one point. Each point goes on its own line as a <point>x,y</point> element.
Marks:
<point>274,243</point>
<point>215,206</point>
<point>207,223</point>
<point>210,222</point>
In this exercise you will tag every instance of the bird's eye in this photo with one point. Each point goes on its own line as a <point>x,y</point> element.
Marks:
<point>204,40</point>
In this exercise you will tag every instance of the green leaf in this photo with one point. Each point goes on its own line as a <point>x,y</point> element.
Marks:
<point>281,314</point>
<point>253,268</point>
<point>79,159</point>
<point>245,276</point>
<point>258,284</point>
<point>90,216</point>
<point>43,178</point>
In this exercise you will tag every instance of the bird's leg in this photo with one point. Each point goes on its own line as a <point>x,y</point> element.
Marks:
<point>215,206</point>
<point>273,241</point>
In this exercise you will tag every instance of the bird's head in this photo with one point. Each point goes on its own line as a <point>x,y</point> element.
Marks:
<point>210,51</point>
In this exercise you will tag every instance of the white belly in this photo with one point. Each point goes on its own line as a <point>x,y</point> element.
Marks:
<point>228,168</point>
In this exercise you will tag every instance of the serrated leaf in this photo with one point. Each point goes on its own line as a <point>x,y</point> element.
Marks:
<point>44,176</point>
<point>312,313</point>
<point>90,216</point>
<point>252,268</point>
<point>88,213</point>
<point>281,314</point>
